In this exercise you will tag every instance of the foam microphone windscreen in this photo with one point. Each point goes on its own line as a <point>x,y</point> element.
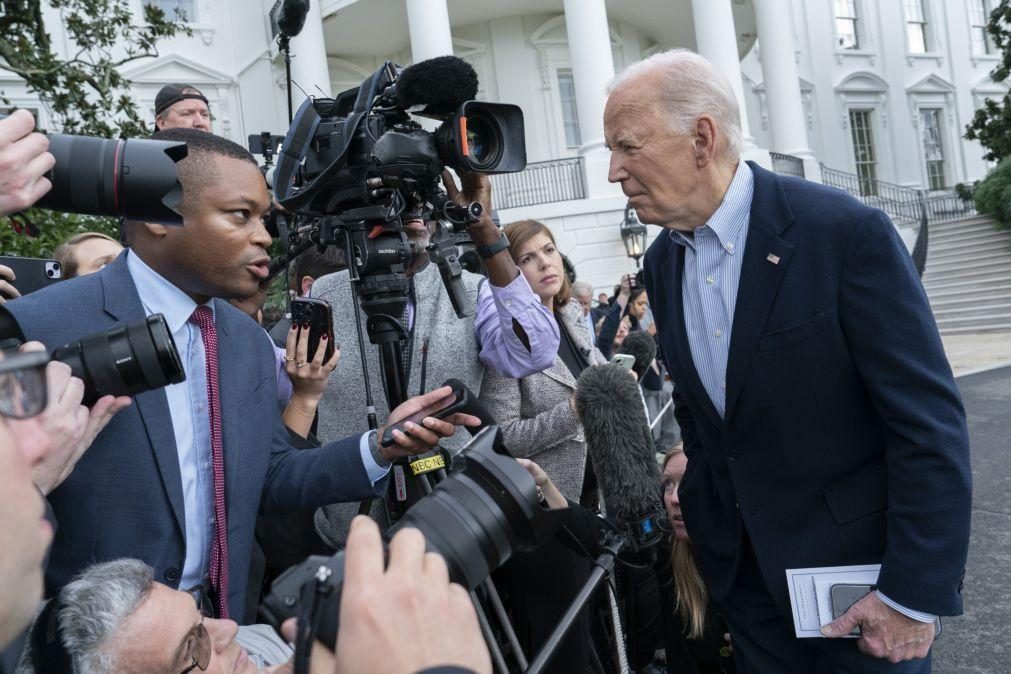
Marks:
<point>618,442</point>
<point>642,346</point>
<point>442,84</point>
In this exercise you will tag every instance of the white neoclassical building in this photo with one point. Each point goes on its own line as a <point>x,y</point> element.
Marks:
<point>878,88</point>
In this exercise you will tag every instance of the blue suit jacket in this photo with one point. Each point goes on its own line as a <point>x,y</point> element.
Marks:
<point>844,439</point>
<point>124,498</point>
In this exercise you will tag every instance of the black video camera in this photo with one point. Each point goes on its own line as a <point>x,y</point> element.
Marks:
<point>352,167</point>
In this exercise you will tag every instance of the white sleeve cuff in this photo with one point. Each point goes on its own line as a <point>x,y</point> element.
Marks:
<point>908,612</point>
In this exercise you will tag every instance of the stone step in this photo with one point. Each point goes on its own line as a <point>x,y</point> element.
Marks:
<point>943,284</point>
<point>996,269</point>
<point>971,221</point>
<point>975,310</point>
<point>941,301</point>
<point>972,329</point>
<point>953,236</point>
<point>987,321</point>
<point>981,260</point>
<point>992,241</point>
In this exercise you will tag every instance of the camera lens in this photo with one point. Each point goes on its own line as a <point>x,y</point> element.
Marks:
<point>484,141</point>
<point>475,519</point>
<point>133,179</point>
<point>126,360</point>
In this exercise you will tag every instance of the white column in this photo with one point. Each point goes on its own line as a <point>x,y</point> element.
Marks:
<point>308,58</point>
<point>787,121</point>
<point>592,68</point>
<point>716,40</point>
<point>428,24</point>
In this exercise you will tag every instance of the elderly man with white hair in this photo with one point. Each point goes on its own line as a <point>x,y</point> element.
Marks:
<point>820,418</point>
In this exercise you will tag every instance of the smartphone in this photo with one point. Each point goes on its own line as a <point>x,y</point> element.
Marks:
<point>31,274</point>
<point>440,409</point>
<point>623,360</point>
<point>315,313</point>
<point>844,595</point>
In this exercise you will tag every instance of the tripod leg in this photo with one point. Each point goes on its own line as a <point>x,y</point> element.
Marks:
<point>489,637</point>
<point>507,627</point>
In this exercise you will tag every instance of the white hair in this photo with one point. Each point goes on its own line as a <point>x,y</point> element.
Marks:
<point>688,85</point>
<point>582,288</point>
<point>94,607</point>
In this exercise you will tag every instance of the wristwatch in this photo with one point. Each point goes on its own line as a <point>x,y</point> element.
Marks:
<point>494,248</point>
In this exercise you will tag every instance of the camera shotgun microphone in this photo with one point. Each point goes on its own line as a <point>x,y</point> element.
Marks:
<point>441,84</point>
<point>642,346</point>
<point>620,449</point>
<point>291,17</point>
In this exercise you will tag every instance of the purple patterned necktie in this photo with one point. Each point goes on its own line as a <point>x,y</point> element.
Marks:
<point>203,318</point>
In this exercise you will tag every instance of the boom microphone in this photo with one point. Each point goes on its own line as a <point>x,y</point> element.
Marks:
<point>642,346</point>
<point>621,451</point>
<point>291,17</point>
<point>442,84</point>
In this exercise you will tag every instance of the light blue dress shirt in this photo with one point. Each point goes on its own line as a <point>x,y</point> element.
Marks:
<point>712,273</point>
<point>187,402</point>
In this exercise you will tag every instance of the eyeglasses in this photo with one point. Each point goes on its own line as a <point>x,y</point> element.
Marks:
<point>198,649</point>
<point>23,390</point>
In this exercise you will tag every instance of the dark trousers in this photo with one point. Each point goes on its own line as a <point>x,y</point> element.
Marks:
<point>765,642</point>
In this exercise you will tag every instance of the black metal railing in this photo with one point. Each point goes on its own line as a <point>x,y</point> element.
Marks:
<point>540,183</point>
<point>787,164</point>
<point>901,202</point>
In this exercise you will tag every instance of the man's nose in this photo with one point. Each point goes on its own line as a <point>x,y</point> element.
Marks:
<point>615,173</point>
<point>221,632</point>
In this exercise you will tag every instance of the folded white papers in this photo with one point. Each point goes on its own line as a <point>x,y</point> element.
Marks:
<point>810,593</point>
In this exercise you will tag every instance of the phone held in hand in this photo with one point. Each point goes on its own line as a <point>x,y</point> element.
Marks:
<point>623,360</point>
<point>314,313</point>
<point>440,409</point>
<point>31,274</point>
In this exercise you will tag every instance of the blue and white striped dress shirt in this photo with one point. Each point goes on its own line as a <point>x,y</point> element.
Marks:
<point>714,254</point>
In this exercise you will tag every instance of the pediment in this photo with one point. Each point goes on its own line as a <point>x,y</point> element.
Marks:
<point>987,86</point>
<point>553,32</point>
<point>175,68</point>
<point>931,84</point>
<point>862,82</point>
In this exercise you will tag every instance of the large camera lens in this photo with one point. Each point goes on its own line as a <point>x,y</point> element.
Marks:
<point>475,519</point>
<point>484,137</point>
<point>126,360</point>
<point>133,179</point>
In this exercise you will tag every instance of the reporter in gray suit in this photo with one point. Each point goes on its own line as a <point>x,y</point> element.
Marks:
<point>146,488</point>
<point>536,413</point>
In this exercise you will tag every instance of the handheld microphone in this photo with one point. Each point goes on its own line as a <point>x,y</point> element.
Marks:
<point>620,449</point>
<point>441,84</point>
<point>642,346</point>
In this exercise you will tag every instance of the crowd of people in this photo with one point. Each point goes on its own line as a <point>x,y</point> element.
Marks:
<point>800,405</point>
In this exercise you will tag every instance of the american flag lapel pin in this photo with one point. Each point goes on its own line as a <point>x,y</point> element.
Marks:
<point>773,258</point>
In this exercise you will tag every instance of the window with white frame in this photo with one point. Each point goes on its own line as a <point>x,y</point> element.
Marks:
<point>979,16</point>
<point>933,147</point>
<point>916,27</point>
<point>847,24</point>
<point>175,9</point>
<point>864,155</point>
<point>570,114</point>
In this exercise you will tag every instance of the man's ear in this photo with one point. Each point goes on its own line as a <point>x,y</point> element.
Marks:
<point>154,230</point>
<point>706,135</point>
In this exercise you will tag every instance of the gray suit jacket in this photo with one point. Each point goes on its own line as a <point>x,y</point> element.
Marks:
<point>536,417</point>
<point>125,497</point>
<point>453,351</point>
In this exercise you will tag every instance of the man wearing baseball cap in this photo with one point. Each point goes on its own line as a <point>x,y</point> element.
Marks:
<point>181,105</point>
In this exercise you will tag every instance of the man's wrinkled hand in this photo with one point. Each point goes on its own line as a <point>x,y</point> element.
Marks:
<point>24,161</point>
<point>885,633</point>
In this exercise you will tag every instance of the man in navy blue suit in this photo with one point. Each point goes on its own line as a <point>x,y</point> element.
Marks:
<point>169,481</point>
<point>820,417</point>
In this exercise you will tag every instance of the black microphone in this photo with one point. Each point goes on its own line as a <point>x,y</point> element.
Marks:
<point>620,449</point>
<point>442,84</point>
<point>291,17</point>
<point>642,346</point>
